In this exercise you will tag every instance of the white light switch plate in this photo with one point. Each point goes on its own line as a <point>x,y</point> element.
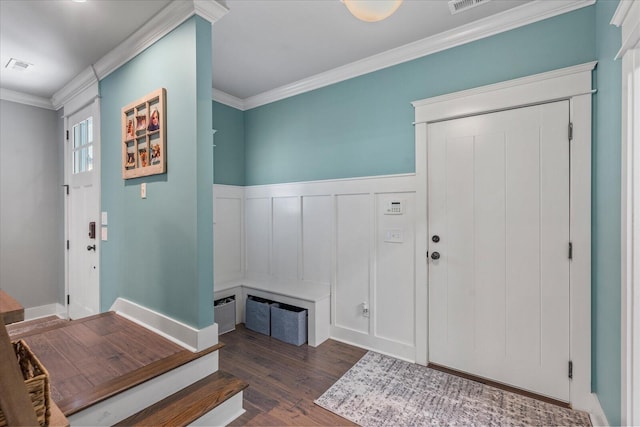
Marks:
<point>394,236</point>
<point>143,190</point>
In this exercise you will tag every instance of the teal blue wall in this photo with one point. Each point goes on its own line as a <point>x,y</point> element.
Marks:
<point>362,126</point>
<point>606,216</point>
<point>160,249</point>
<point>229,140</point>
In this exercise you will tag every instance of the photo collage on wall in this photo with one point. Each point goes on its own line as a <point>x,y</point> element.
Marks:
<point>144,141</point>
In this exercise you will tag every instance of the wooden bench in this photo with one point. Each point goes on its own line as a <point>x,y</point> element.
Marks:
<point>312,296</point>
<point>189,404</point>
<point>10,309</point>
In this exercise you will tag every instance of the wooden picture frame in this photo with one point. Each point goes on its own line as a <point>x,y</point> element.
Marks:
<point>144,144</point>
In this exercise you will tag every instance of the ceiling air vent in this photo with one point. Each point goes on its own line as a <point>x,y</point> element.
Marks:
<point>16,64</point>
<point>457,6</point>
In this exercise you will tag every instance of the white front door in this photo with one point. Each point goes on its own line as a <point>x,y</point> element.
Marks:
<point>498,202</point>
<point>83,226</point>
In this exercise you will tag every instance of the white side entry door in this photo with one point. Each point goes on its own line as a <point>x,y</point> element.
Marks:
<point>499,245</point>
<point>83,211</point>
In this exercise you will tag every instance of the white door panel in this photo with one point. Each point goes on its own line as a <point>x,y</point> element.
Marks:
<point>498,198</point>
<point>82,209</point>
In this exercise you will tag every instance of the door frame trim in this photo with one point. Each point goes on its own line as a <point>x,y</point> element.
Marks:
<point>90,96</point>
<point>572,84</point>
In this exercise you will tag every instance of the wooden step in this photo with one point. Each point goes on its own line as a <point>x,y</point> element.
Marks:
<point>27,328</point>
<point>10,310</point>
<point>190,403</point>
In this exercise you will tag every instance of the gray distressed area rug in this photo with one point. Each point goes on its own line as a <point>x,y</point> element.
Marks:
<point>382,391</point>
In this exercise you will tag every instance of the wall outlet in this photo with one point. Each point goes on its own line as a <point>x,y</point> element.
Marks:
<point>365,309</point>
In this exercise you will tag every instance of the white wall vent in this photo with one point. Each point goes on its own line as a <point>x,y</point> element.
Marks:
<point>457,6</point>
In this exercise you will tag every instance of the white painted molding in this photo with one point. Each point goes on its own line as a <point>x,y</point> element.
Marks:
<point>621,12</point>
<point>558,84</point>
<point>23,98</point>
<point>627,16</point>
<point>513,18</point>
<point>226,99</point>
<point>188,337</point>
<point>210,10</point>
<point>365,184</point>
<point>86,79</point>
<point>153,30</point>
<point>44,311</point>
<point>596,414</point>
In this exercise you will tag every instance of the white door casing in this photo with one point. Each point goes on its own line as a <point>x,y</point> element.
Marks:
<point>627,16</point>
<point>572,84</point>
<point>82,172</point>
<point>498,200</point>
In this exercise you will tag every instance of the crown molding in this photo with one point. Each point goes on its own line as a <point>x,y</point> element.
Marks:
<point>528,13</point>
<point>210,10</point>
<point>153,30</point>
<point>226,99</point>
<point>23,98</point>
<point>82,81</point>
<point>621,12</point>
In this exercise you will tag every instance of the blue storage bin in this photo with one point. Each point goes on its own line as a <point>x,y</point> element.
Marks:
<point>258,315</point>
<point>289,323</point>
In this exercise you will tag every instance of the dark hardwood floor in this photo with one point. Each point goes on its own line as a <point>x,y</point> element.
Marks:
<point>97,357</point>
<point>284,379</point>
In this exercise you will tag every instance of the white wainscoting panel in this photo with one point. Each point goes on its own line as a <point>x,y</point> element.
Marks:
<point>336,233</point>
<point>286,237</point>
<point>258,236</point>
<point>394,288</point>
<point>353,261</point>
<point>317,232</point>
<point>228,223</point>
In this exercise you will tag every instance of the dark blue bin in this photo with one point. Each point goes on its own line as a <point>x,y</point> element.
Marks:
<point>257,314</point>
<point>289,323</point>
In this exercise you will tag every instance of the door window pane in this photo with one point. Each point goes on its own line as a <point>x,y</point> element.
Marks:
<point>83,146</point>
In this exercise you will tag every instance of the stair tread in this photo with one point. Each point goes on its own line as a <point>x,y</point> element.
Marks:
<point>190,403</point>
<point>136,377</point>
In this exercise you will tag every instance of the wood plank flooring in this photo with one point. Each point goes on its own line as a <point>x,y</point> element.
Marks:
<point>284,379</point>
<point>97,357</point>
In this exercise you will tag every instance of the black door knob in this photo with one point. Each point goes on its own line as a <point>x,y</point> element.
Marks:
<point>435,255</point>
<point>435,238</point>
<point>91,247</point>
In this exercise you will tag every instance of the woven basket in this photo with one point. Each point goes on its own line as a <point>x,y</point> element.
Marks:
<point>36,378</point>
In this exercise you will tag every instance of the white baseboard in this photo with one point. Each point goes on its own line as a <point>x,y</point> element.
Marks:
<point>44,311</point>
<point>188,337</point>
<point>598,418</point>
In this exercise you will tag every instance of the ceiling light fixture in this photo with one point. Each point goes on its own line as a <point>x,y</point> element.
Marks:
<point>372,10</point>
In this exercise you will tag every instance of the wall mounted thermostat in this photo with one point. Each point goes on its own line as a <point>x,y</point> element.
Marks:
<point>394,207</point>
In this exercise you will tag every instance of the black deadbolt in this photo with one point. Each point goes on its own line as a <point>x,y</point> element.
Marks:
<point>435,238</point>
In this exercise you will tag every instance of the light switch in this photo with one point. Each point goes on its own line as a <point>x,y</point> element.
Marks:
<point>143,190</point>
<point>394,236</point>
<point>103,234</point>
<point>103,218</point>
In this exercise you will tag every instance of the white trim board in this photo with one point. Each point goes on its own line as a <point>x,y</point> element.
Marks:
<point>574,84</point>
<point>55,309</point>
<point>517,17</point>
<point>187,336</point>
<point>26,99</point>
<point>627,16</point>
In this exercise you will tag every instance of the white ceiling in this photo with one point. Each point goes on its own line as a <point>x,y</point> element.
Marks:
<point>259,46</point>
